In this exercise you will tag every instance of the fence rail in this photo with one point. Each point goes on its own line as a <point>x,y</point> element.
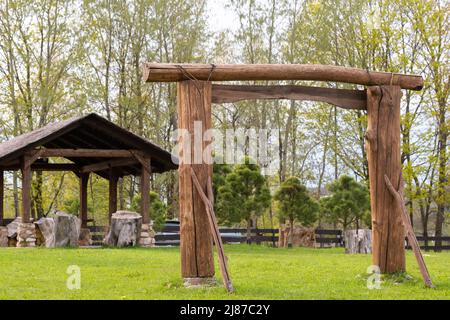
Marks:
<point>170,236</point>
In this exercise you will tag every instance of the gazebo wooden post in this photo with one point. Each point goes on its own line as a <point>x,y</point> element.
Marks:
<point>26,189</point>
<point>383,152</point>
<point>85,238</point>
<point>2,194</point>
<point>146,238</point>
<point>194,104</point>
<point>26,234</point>
<point>145,189</point>
<point>84,180</point>
<point>112,193</point>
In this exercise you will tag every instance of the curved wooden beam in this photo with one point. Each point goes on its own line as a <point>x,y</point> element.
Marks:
<point>344,98</point>
<point>171,72</point>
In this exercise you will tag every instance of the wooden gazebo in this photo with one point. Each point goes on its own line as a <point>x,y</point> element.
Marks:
<point>92,144</point>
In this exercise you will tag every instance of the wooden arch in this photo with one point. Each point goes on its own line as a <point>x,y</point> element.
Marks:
<point>381,99</point>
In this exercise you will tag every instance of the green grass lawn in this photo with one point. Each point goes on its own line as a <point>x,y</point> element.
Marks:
<point>257,272</point>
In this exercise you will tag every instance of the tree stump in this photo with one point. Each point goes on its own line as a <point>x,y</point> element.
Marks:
<point>67,229</point>
<point>125,229</point>
<point>12,227</point>
<point>45,232</point>
<point>358,241</point>
<point>3,237</point>
<point>302,236</point>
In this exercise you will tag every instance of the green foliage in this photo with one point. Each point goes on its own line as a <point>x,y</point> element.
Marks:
<point>220,172</point>
<point>349,202</point>
<point>72,206</point>
<point>158,209</point>
<point>295,204</point>
<point>243,195</point>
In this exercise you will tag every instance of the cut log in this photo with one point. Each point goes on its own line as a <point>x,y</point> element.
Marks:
<point>194,104</point>
<point>398,195</point>
<point>125,229</point>
<point>12,227</point>
<point>170,72</point>
<point>46,232</point>
<point>44,167</point>
<point>67,229</point>
<point>4,237</point>
<point>383,154</point>
<point>358,241</point>
<point>343,98</point>
<point>209,201</point>
<point>302,237</point>
<point>84,153</point>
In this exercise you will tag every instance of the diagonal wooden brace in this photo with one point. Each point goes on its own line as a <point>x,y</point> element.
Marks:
<point>208,201</point>
<point>410,232</point>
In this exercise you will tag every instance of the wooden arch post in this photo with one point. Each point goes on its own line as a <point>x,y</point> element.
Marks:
<point>383,153</point>
<point>383,140</point>
<point>194,109</point>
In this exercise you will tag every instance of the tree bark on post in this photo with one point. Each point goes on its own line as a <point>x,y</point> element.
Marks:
<point>112,193</point>
<point>145,191</point>
<point>383,152</point>
<point>194,110</point>
<point>26,189</point>
<point>84,179</point>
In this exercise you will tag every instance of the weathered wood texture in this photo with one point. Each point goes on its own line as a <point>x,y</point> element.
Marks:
<point>90,131</point>
<point>67,229</point>
<point>44,167</point>
<point>344,98</point>
<point>125,229</point>
<point>358,241</point>
<point>45,232</point>
<point>100,166</point>
<point>26,189</point>
<point>208,201</point>
<point>170,72</point>
<point>398,195</point>
<point>145,190</point>
<point>84,179</point>
<point>112,193</point>
<point>194,104</point>
<point>383,152</point>
<point>85,153</point>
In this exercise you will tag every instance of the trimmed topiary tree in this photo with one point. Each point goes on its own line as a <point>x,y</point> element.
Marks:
<point>348,204</point>
<point>243,196</point>
<point>158,209</point>
<point>295,204</point>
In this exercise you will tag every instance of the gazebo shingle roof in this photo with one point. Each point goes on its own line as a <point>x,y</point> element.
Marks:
<point>87,132</point>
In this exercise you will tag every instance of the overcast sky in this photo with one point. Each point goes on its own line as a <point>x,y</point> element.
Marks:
<point>221,18</point>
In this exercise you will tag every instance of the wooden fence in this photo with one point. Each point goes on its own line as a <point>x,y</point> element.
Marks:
<point>428,243</point>
<point>327,238</point>
<point>170,236</point>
